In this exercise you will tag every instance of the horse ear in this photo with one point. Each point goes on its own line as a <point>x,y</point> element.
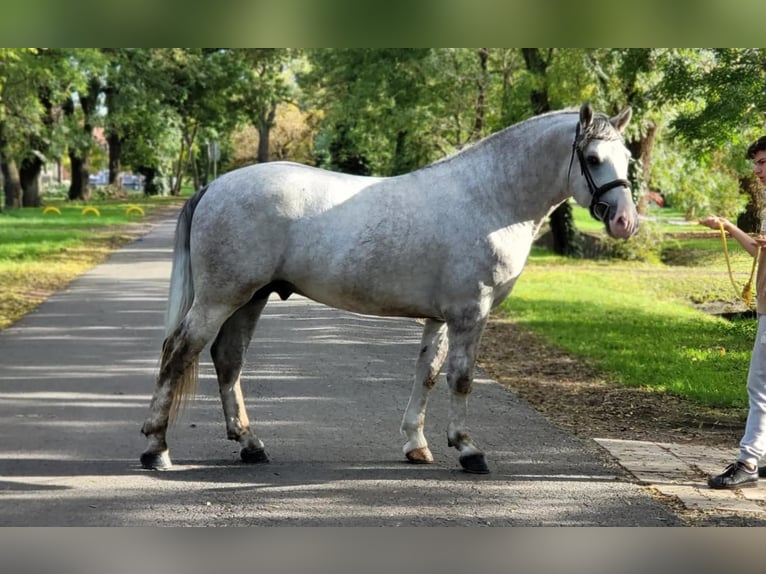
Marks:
<point>621,120</point>
<point>586,116</point>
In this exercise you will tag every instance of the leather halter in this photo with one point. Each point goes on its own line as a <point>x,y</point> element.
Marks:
<point>599,210</point>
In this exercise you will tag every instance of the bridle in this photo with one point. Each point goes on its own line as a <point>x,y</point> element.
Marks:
<point>599,210</point>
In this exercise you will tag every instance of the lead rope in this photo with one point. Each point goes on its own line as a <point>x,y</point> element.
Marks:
<point>747,292</point>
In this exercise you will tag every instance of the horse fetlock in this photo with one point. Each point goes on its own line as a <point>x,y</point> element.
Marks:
<point>460,440</point>
<point>152,427</point>
<point>236,434</point>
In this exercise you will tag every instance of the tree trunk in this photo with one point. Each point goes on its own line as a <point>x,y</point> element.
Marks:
<point>641,149</point>
<point>29,176</point>
<point>566,238</point>
<point>538,67</point>
<point>175,188</point>
<point>750,219</point>
<point>195,169</point>
<point>264,124</point>
<point>402,162</point>
<point>115,153</point>
<point>263,143</point>
<point>11,184</point>
<point>79,188</point>
<point>151,185</point>
<point>481,86</point>
<point>187,142</point>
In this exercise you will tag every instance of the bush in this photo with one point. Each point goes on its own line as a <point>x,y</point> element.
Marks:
<point>646,245</point>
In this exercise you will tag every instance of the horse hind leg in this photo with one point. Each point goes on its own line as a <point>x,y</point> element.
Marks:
<point>433,351</point>
<point>176,379</point>
<point>228,352</point>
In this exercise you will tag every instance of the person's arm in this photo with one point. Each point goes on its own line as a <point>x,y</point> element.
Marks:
<point>748,243</point>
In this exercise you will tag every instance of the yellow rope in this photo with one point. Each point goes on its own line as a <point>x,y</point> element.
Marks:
<point>747,292</point>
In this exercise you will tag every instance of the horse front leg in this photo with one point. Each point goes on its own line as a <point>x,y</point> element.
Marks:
<point>433,351</point>
<point>228,352</point>
<point>464,339</point>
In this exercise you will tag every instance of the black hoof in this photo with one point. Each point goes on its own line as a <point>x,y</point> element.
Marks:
<point>474,463</point>
<point>156,460</point>
<point>253,455</point>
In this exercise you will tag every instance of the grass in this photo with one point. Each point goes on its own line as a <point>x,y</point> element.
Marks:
<point>636,322</point>
<point>42,252</point>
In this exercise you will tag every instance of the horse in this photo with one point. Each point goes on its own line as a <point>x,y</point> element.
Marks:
<point>444,243</point>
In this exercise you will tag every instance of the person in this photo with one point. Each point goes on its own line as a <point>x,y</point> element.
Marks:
<point>744,472</point>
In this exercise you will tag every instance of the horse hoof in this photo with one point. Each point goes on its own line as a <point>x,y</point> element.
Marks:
<point>420,455</point>
<point>253,455</point>
<point>474,463</point>
<point>156,460</point>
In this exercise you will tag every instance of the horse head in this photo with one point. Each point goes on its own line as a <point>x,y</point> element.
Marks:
<point>603,157</point>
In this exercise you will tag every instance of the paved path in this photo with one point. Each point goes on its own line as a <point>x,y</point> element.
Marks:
<point>326,389</point>
<point>681,471</point>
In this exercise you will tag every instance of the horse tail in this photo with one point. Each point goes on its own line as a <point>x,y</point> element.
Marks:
<point>180,299</point>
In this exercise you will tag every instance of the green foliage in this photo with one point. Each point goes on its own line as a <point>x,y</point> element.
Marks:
<point>696,183</point>
<point>727,85</point>
<point>636,324</point>
<point>374,102</point>
<point>645,245</point>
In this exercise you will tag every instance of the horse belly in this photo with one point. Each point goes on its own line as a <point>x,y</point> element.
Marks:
<point>378,290</point>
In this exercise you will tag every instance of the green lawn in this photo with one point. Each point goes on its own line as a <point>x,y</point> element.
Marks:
<point>637,322</point>
<point>41,252</point>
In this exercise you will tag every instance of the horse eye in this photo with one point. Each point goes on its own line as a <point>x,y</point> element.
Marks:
<point>593,160</point>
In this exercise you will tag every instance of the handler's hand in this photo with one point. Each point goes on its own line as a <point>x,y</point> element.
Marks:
<point>713,221</point>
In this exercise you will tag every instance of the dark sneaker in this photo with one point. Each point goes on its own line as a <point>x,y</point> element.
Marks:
<point>736,475</point>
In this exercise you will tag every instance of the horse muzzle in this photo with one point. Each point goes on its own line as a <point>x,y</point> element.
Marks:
<point>623,226</point>
<point>615,208</point>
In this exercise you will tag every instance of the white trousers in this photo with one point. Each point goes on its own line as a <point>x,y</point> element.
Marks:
<point>753,443</point>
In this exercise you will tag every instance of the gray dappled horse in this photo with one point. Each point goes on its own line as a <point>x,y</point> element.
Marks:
<point>445,243</point>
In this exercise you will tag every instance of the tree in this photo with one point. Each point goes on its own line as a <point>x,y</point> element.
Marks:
<point>263,87</point>
<point>15,103</point>
<point>30,91</point>
<point>723,93</point>
<point>199,85</point>
<point>141,127</point>
<point>370,98</point>
<point>398,109</point>
<point>80,110</point>
<point>33,133</point>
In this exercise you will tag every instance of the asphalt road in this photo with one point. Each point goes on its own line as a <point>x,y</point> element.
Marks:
<point>326,389</point>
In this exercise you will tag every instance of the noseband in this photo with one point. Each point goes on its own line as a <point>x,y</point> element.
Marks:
<point>599,210</point>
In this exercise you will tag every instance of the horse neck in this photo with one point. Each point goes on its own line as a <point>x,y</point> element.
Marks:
<point>521,170</point>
